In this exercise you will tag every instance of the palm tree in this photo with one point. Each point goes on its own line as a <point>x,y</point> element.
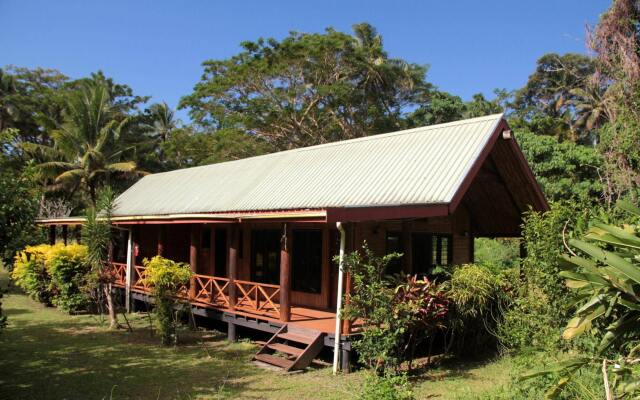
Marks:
<point>594,106</point>
<point>89,142</point>
<point>163,121</point>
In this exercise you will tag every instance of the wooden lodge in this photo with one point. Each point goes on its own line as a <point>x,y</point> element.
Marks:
<point>260,234</point>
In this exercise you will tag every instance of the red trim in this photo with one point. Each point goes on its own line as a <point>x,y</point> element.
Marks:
<point>354,214</point>
<point>211,221</point>
<point>543,204</point>
<point>471,176</point>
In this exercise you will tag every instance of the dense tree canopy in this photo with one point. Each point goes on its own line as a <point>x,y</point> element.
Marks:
<point>308,88</point>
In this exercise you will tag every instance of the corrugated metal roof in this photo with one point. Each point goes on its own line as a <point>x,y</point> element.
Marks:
<point>413,167</point>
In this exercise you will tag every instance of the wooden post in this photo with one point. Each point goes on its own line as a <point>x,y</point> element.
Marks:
<point>232,269</point>
<point>193,257</point>
<point>346,323</point>
<point>285,276</point>
<point>52,235</point>
<point>65,234</point>
<point>161,239</point>
<point>345,364</point>
<point>353,243</point>
<point>212,250</point>
<point>326,268</point>
<point>405,238</point>
<point>129,275</point>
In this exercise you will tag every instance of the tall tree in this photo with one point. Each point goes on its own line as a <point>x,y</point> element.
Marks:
<point>545,105</point>
<point>565,170</point>
<point>308,88</point>
<point>31,101</point>
<point>616,43</point>
<point>90,142</point>
<point>162,121</point>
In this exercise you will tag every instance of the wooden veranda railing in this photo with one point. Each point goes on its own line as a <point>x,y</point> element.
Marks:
<point>252,297</point>
<point>138,281</point>
<point>258,297</point>
<point>211,290</point>
<point>119,271</point>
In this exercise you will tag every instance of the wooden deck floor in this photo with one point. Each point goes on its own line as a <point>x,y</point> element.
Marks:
<point>301,317</point>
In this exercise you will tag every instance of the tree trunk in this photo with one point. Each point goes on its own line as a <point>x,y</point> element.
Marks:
<point>113,319</point>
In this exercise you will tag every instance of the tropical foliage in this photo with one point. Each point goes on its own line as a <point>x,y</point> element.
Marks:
<point>603,271</point>
<point>396,316</point>
<point>97,234</point>
<point>477,299</point>
<point>53,274</point>
<point>167,279</point>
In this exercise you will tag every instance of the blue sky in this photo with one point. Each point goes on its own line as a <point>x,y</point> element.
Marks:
<point>157,47</point>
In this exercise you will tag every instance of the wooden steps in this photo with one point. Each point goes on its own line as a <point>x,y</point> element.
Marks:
<point>291,349</point>
<point>286,349</point>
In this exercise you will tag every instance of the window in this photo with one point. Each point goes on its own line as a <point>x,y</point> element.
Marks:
<point>429,251</point>
<point>307,261</point>
<point>265,256</point>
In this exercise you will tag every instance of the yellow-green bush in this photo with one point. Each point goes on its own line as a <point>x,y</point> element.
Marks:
<point>29,272</point>
<point>53,274</point>
<point>166,277</point>
<point>68,268</point>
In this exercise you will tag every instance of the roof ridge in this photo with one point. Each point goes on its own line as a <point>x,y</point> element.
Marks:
<point>378,136</point>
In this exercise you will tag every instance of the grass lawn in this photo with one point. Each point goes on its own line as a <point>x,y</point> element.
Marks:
<point>48,354</point>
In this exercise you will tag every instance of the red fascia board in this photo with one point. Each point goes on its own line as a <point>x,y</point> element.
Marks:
<point>541,201</point>
<point>355,214</point>
<point>468,180</point>
<point>543,205</point>
<point>211,221</point>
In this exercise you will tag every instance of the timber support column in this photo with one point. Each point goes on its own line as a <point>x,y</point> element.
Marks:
<point>65,234</point>
<point>234,243</point>
<point>212,250</point>
<point>326,268</point>
<point>129,274</point>
<point>193,257</point>
<point>285,275</point>
<point>405,237</point>
<point>161,239</point>
<point>352,242</point>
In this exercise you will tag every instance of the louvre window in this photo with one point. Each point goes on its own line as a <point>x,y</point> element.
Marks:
<point>429,251</point>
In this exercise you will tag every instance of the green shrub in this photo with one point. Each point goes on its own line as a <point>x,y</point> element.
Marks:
<point>53,275</point>
<point>386,387</point>
<point>396,315</point>
<point>529,323</point>
<point>477,302</point>
<point>68,268</point>
<point>540,302</point>
<point>167,278</point>
<point>29,273</point>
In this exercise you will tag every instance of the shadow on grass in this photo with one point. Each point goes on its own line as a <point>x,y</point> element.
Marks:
<point>73,358</point>
<point>449,367</point>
